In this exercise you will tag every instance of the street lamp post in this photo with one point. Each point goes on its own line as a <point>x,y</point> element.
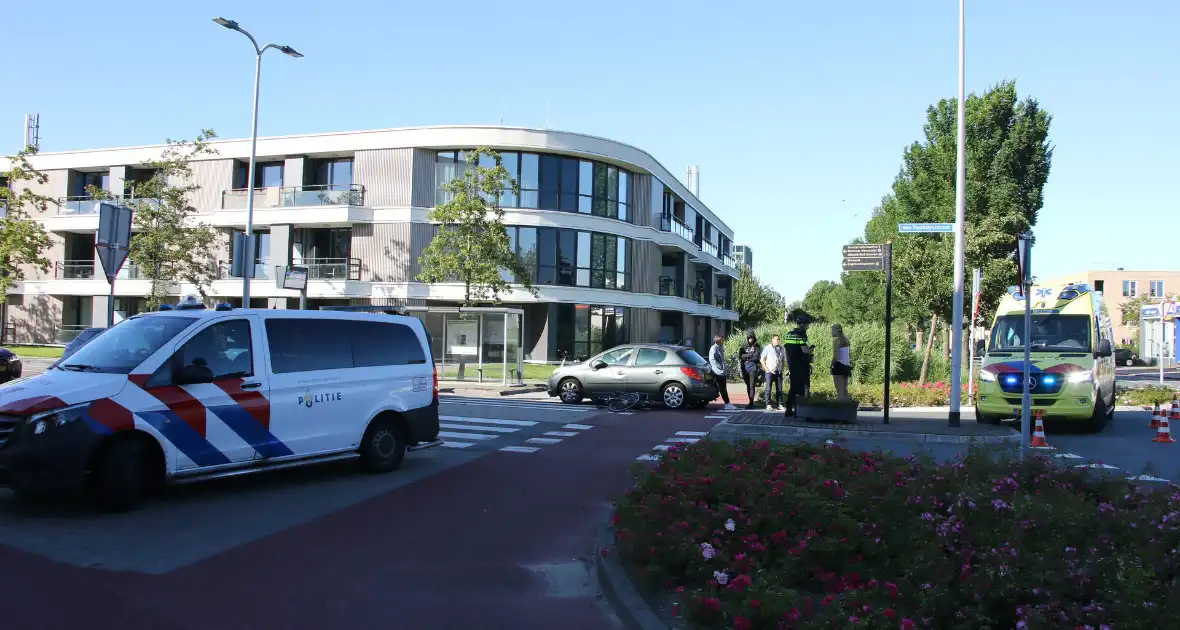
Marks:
<point>1024,244</point>
<point>248,244</point>
<point>960,234</point>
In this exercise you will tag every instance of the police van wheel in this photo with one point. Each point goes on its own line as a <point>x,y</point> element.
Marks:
<point>120,479</point>
<point>384,446</point>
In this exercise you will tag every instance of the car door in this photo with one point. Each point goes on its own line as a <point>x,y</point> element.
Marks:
<point>212,397</point>
<point>613,377</point>
<point>650,370</point>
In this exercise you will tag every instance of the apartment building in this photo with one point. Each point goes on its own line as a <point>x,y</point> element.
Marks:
<point>743,255</point>
<point>619,249</point>
<point>1120,285</point>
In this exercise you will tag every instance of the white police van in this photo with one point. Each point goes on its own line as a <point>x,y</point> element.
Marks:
<point>188,393</point>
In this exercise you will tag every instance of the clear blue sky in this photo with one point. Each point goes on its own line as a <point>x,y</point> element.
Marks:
<point>797,112</point>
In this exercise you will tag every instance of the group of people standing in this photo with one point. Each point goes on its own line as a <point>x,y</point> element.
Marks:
<point>791,357</point>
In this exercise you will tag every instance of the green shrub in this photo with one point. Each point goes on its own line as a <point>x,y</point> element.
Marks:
<point>867,351</point>
<point>1147,396</point>
<point>803,536</point>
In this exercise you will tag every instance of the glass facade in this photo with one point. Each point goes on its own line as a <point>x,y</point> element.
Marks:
<point>549,182</point>
<point>556,256</point>
<point>584,330</point>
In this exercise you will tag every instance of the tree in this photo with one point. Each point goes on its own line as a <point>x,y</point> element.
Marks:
<point>22,240</point>
<point>755,302</point>
<point>471,244</point>
<point>169,246</point>
<point>1008,161</point>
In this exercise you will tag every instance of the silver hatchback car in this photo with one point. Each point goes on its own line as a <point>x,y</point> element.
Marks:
<point>674,375</point>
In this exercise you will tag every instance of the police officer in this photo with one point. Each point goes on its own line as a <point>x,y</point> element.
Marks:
<point>799,353</point>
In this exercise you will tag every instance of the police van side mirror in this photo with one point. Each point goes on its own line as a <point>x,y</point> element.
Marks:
<point>193,374</point>
<point>1104,349</point>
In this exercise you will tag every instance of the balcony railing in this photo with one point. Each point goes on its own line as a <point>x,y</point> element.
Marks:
<point>329,268</point>
<point>709,248</point>
<point>296,196</point>
<point>728,260</point>
<point>720,301</point>
<point>68,332</point>
<point>669,223</point>
<point>74,269</point>
<point>668,285</point>
<point>261,270</point>
<point>86,205</point>
<point>130,271</point>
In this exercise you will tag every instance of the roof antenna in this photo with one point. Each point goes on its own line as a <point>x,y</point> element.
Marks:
<point>32,132</point>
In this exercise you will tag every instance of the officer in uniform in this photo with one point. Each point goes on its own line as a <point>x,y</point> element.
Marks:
<point>799,355</point>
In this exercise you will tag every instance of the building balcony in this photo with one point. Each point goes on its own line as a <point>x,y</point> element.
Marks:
<point>668,286</point>
<point>323,205</point>
<point>709,248</point>
<point>669,223</point>
<point>327,268</point>
<point>728,260</point>
<point>74,269</point>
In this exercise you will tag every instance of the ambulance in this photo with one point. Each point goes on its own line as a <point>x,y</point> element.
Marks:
<point>1072,376</point>
<point>189,393</point>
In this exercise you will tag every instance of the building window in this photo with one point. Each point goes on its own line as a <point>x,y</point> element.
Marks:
<point>331,174</point>
<point>1099,285</point>
<point>1156,288</point>
<point>571,257</point>
<point>550,182</point>
<point>266,174</point>
<point>1130,288</point>
<point>261,252</point>
<point>588,329</point>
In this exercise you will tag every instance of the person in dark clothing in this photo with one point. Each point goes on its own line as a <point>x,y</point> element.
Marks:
<point>720,373</point>
<point>799,353</point>
<point>748,359</point>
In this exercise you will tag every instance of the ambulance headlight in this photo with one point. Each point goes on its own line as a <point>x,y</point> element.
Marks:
<point>987,377</point>
<point>46,420</point>
<point>1081,377</point>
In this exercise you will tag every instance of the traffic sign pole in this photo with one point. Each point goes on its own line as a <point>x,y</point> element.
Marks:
<point>960,232</point>
<point>888,325</point>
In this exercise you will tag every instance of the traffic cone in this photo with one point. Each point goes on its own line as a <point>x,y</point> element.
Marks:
<point>1038,438</point>
<point>1163,435</point>
<point>1155,416</point>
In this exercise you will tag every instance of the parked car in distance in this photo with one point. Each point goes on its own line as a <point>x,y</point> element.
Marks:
<point>673,375</point>
<point>1125,356</point>
<point>10,366</point>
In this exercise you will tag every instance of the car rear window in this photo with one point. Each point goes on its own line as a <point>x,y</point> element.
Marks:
<point>691,357</point>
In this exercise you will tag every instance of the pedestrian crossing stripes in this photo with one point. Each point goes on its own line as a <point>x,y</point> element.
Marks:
<point>580,427</point>
<point>465,432</point>
<point>682,438</point>
<point>520,449</point>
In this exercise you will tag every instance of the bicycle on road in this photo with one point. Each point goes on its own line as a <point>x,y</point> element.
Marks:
<point>618,402</point>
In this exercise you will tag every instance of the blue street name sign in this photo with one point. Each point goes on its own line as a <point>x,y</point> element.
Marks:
<point>921,228</point>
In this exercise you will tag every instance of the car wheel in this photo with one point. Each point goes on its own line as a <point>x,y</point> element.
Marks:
<point>673,396</point>
<point>120,479</point>
<point>1101,416</point>
<point>982,418</point>
<point>1129,362</point>
<point>384,446</point>
<point>570,391</point>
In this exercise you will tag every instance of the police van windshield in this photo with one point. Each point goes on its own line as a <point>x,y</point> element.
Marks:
<point>126,345</point>
<point>1050,333</point>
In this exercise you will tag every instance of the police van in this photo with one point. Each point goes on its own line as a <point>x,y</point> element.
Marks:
<point>190,393</point>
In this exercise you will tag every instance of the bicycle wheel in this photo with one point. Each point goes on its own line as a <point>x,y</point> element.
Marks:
<point>618,405</point>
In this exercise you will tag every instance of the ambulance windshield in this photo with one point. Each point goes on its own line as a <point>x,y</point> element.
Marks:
<point>126,345</point>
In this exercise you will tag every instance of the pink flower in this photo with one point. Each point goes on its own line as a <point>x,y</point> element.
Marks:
<point>741,623</point>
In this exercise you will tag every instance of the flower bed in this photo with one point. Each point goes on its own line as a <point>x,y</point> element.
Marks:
<point>1147,396</point>
<point>802,536</point>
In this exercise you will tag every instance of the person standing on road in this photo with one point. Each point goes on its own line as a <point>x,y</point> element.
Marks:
<point>749,359</point>
<point>717,364</point>
<point>772,364</point>
<point>798,359</point>
<point>841,362</point>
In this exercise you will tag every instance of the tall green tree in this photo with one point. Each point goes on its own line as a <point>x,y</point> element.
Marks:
<point>755,302</point>
<point>471,244</point>
<point>169,245</point>
<point>22,240</point>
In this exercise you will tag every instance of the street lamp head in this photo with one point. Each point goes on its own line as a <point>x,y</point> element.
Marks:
<point>230,24</point>
<point>290,52</point>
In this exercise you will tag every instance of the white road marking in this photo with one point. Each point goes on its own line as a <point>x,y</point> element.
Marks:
<point>520,449</point>
<point>580,427</point>
<point>696,433</point>
<point>476,427</point>
<point>1044,448</point>
<point>623,413</point>
<point>561,433</point>
<point>648,458</point>
<point>1068,456</point>
<point>1147,478</point>
<point>543,440</point>
<point>512,423</point>
<point>714,417</point>
<point>1103,466</point>
<point>661,447</point>
<point>458,444</point>
<point>682,440</point>
<point>729,411</point>
<point>466,436</point>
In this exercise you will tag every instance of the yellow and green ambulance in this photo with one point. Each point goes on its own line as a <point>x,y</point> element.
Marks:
<point>1072,377</point>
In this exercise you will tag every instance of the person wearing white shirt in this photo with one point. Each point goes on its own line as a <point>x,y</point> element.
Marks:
<point>772,365</point>
<point>841,363</point>
<point>717,365</point>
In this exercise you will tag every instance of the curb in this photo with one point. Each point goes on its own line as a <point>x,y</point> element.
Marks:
<point>523,389</point>
<point>725,430</point>
<point>628,605</point>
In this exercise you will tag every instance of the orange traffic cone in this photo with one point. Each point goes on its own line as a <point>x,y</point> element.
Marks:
<point>1155,416</point>
<point>1038,438</point>
<point>1163,435</point>
<point>1174,414</point>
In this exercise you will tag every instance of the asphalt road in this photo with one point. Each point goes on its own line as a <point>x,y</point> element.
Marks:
<point>1145,376</point>
<point>493,531</point>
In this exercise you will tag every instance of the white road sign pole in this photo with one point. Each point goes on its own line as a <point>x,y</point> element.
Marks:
<point>960,234</point>
<point>976,281</point>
